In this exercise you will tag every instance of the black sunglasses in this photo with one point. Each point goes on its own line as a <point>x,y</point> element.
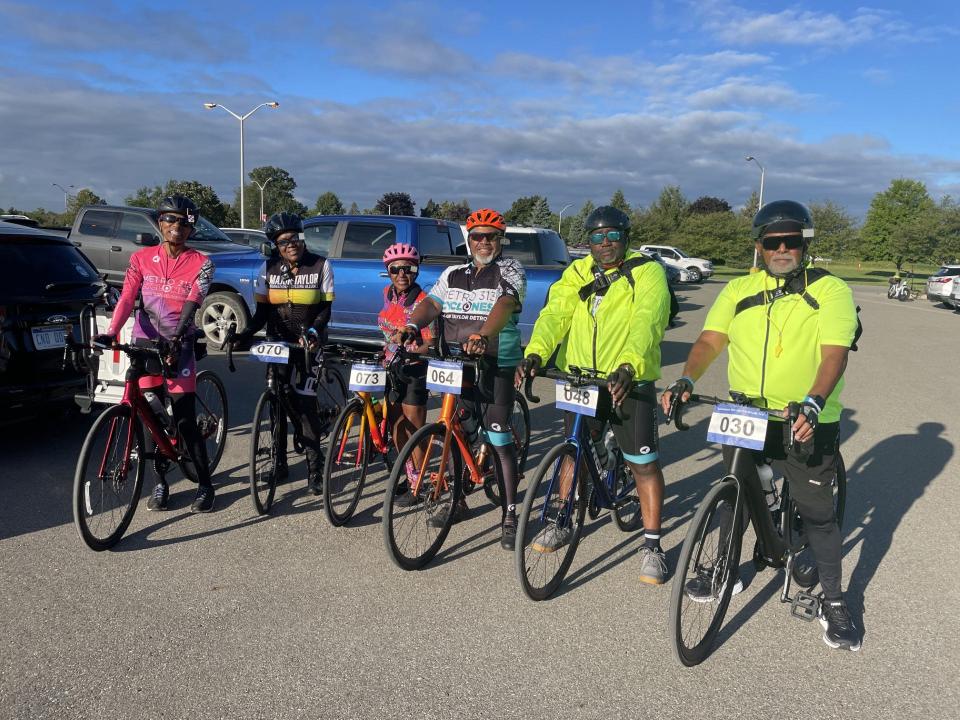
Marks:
<point>490,236</point>
<point>289,241</point>
<point>171,219</point>
<point>408,269</point>
<point>791,242</point>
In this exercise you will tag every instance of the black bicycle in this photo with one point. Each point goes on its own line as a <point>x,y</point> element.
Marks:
<point>709,561</point>
<point>275,409</point>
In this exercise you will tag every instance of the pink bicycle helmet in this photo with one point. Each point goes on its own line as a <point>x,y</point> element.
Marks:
<point>401,251</point>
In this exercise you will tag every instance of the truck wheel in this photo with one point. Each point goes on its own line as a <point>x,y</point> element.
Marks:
<point>218,312</point>
<point>695,274</point>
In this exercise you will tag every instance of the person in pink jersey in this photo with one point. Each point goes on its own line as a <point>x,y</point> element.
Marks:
<point>172,280</point>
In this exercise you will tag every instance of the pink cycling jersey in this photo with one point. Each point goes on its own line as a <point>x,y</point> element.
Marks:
<point>166,284</point>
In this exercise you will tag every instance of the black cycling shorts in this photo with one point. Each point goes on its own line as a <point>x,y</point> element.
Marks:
<point>495,397</point>
<point>636,431</point>
<point>413,392</point>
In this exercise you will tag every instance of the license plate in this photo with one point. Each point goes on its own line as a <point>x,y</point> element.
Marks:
<point>445,376</point>
<point>738,425</point>
<point>367,378</point>
<point>578,399</point>
<point>50,337</point>
<point>271,352</point>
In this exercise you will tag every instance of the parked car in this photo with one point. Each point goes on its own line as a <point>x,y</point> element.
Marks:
<point>940,285</point>
<point>531,246</point>
<point>697,268</point>
<point>245,236</point>
<point>675,275</point>
<point>47,282</point>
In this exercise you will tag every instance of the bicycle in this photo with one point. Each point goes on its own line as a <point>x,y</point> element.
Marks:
<point>274,409</point>
<point>105,499</point>
<point>548,507</point>
<point>899,290</point>
<point>710,557</point>
<point>448,470</point>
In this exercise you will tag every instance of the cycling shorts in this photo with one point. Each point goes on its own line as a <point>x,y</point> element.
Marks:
<point>183,380</point>
<point>493,400</point>
<point>413,392</point>
<point>636,431</point>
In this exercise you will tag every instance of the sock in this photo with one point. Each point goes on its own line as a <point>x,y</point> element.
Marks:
<point>651,539</point>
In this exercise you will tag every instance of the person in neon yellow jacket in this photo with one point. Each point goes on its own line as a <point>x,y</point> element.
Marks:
<point>608,312</point>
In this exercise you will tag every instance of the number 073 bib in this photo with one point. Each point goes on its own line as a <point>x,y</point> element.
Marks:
<point>738,425</point>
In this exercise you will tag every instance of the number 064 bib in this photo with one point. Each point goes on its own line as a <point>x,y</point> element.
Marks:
<point>738,425</point>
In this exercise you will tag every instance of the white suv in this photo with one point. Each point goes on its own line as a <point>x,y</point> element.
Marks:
<point>940,285</point>
<point>697,268</point>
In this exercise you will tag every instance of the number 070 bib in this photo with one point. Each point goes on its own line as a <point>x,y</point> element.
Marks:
<point>738,425</point>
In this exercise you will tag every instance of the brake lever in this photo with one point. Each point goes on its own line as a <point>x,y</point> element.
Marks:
<point>528,390</point>
<point>676,412</point>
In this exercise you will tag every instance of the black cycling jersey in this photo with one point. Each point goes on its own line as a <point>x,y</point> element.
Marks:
<point>288,303</point>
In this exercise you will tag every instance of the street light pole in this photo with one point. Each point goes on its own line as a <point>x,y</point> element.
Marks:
<point>751,158</point>
<point>65,193</point>
<point>560,221</point>
<point>261,194</point>
<point>241,118</point>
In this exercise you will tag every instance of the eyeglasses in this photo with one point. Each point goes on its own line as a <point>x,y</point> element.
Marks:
<point>791,242</point>
<point>488,236</point>
<point>611,235</point>
<point>408,269</point>
<point>171,219</point>
<point>289,241</point>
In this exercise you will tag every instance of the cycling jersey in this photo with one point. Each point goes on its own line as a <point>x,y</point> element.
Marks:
<point>396,312</point>
<point>774,346</point>
<point>466,295</point>
<point>289,303</point>
<point>622,324</point>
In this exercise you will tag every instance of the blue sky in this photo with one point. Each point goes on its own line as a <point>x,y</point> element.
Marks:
<point>486,101</point>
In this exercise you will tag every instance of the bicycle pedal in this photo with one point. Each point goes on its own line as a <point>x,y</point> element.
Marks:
<point>805,606</point>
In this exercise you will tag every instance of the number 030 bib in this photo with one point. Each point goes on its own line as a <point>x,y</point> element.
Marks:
<point>738,425</point>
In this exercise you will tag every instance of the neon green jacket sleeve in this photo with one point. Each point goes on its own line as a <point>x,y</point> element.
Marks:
<point>648,321</point>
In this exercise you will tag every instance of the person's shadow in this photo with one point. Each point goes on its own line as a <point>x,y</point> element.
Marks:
<point>882,486</point>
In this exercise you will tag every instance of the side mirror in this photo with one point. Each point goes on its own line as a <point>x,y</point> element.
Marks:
<point>266,249</point>
<point>147,239</point>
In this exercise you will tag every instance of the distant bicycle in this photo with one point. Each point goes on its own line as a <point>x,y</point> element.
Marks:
<point>898,289</point>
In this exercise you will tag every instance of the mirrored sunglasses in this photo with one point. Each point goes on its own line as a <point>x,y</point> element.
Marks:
<point>171,219</point>
<point>611,235</point>
<point>408,269</point>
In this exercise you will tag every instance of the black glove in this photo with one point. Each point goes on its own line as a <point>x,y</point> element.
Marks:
<point>619,382</point>
<point>810,408</point>
<point>103,341</point>
<point>530,365</point>
<point>680,387</point>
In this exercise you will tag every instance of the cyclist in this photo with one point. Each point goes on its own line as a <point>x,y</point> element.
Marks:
<point>401,298</point>
<point>172,280</point>
<point>609,312</point>
<point>479,304</point>
<point>294,292</point>
<point>787,331</point>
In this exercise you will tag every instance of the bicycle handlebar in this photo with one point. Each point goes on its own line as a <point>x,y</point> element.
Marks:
<point>578,377</point>
<point>677,406</point>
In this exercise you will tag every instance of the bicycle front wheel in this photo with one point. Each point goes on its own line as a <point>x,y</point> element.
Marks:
<point>416,521</point>
<point>211,408</point>
<point>626,503</point>
<point>706,573</point>
<point>520,426</point>
<point>264,447</point>
<point>108,479</point>
<point>345,467</point>
<point>332,395</point>
<point>550,523</point>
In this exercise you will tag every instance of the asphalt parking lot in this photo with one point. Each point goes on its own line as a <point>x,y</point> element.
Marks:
<point>228,615</point>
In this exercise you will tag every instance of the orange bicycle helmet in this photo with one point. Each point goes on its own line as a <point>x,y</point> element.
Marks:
<point>488,217</point>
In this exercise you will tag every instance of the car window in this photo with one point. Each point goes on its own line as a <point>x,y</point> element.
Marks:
<point>99,222</point>
<point>30,267</point>
<point>667,253</point>
<point>435,239</point>
<point>680,253</point>
<point>553,250</point>
<point>206,231</point>
<point>949,272</point>
<point>521,246</point>
<point>367,240</point>
<point>131,224</point>
<point>319,237</point>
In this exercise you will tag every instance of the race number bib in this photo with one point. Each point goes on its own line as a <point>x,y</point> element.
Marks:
<point>367,378</point>
<point>445,376</point>
<point>271,352</point>
<point>738,425</point>
<point>581,400</point>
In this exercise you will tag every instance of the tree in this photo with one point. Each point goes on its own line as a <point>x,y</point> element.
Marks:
<point>521,212</point>
<point>83,198</point>
<point>328,204</point>
<point>278,187</point>
<point>430,210</point>
<point>719,236</point>
<point>354,209</point>
<point>705,204</point>
<point>896,220</point>
<point>835,234</point>
<point>751,207</point>
<point>948,248</point>
<point>395,203</point>
<point>203,196</point>
<point>455,211</point>
<point>663,218</point>
<point>576,234</point>
<point>540,215</point>
<point>620,202</point>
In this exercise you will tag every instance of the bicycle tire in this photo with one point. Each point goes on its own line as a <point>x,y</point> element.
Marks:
<point>626,502</point>
<point>263,452</point>
<point>521,435</point>
<point>718,572</point>
<point>540,572</point>
<point>91,494</point>
<point>341,487</point>
<point>213,422</point>
<point>404,522</point>
<point>332,395</point>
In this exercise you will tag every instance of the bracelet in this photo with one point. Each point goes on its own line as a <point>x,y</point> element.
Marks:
<point>416,328</point>
<point>815,400</point>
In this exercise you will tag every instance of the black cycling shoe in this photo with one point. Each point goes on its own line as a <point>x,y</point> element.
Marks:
<point>203,502</point>
<point>158,500</point>
<point>315,484</point>
<point>839,630</point>
<point>508,532</point>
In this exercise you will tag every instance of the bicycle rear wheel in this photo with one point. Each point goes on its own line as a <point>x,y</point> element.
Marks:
<point>332,395</point>
<point>211,408</point>
<point>415,526</point>
<point>550,525</point>
<point>108,478</point>
<point>706,573</point>
<point>267,423</point>
<point>345,467</point>
<point>626,503</point>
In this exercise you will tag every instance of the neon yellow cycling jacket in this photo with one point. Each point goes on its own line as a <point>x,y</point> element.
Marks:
<point>623,326</point>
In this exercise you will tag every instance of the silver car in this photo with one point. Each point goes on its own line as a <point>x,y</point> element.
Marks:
<point>941,285</point>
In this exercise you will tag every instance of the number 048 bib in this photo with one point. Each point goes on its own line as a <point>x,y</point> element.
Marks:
<point>738,425</point>
<point>581,400</point>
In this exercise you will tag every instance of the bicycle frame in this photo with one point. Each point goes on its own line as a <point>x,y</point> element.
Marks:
<point>454,432</point>
<point>377,431</point>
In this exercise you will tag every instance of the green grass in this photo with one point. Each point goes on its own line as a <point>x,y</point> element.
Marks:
<point>863,273</point>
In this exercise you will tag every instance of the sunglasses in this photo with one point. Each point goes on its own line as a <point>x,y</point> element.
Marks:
<point>176,220</point>
<point>611,235</point>
<point>488,236</point>
<point>290,241</point>
<point>408,269</point>
<point>791,242</point>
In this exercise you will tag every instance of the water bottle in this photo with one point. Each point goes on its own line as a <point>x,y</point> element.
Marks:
<point>156,404</point>
<point>769,489</point>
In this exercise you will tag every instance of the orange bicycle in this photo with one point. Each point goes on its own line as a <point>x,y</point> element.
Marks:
<point>418,511</point>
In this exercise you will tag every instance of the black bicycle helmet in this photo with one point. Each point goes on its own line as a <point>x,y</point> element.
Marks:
<point>783,216</point>
<point>280,223</point>
<point>179,204</point>
<point>608,216</point>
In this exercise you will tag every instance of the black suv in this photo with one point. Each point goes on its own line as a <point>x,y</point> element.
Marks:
<point>46,283</point>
